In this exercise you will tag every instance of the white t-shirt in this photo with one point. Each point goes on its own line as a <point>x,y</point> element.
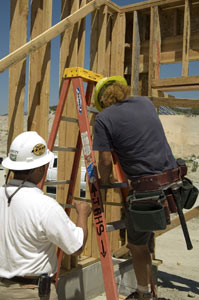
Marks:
<point>30,229</point>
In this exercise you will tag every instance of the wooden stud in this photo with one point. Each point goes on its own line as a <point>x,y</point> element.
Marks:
<point>135,55</point>
<point>121,44</point>
<point>68,131</point>
<point>18,37</point>
<point>186,39</point>
<point>39,73</point>
<point>155,48</point>
<point>102,29</point>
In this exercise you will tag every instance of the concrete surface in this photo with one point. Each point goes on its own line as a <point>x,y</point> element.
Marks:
<point>87,283</point>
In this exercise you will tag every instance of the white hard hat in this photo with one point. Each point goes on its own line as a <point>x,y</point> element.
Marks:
<point>27,151</point>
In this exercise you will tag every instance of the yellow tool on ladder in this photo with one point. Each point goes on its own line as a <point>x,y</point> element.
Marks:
<point>84,141</point>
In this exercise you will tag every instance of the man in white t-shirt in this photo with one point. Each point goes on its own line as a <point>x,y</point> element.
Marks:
<point>33,224</point>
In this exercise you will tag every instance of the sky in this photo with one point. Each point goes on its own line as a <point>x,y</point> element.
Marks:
<point>171,70</point>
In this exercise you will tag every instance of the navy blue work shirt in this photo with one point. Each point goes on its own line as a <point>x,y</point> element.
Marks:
<point>132,129</point>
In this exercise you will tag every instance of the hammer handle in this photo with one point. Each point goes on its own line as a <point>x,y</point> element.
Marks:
<point>177,198</point>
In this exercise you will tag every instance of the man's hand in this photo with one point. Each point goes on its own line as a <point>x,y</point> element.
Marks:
<point>82,208</point>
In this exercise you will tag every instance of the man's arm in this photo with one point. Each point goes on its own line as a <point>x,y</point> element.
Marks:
<point>105,166</point>
<point>83,212</point>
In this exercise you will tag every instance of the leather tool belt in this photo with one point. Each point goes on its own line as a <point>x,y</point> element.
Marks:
<point>24,280</point>
<point>155,182</point>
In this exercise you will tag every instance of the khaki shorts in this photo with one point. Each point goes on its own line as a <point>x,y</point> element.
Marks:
<point>10,290</point>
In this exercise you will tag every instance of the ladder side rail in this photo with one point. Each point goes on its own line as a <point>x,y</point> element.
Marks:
<point>73,178</point>
<point>56,122</point>
<point>121,177</point>
<point>59,111</point>
<point>69,197</point>
<point>89,91</point>
<point>93,181</point>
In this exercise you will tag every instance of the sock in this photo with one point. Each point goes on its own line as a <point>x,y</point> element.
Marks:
<point>144,289</point>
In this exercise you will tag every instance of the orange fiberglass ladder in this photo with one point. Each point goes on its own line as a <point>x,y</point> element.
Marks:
<point>84,142</point>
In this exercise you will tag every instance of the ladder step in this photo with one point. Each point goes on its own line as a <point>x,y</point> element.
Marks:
<point>122,266</point>
<point>65,149</point>
<point>55,182</point>
<point>115,225</point>
<point>115,185</point>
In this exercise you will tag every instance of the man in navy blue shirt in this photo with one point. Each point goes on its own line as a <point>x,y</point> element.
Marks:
<point>131,128</point>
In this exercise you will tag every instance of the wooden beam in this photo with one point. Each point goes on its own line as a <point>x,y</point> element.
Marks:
<point>48,35</point>
<point>135,55</point>
<point>175,102</point>
<point>17,74</point>
<point>186,39</point>
<point>177,83</point>
<point>150,3</point>
<point>194,212</point>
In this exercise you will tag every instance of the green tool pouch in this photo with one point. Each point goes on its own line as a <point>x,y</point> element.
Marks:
<point>146,212</point>
<point>189,194</point>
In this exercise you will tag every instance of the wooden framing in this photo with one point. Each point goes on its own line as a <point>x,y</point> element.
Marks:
<point>39,70</point>
<point>186,39</point>
<point>155,48</point>
<point>135,54</point>
<point>17,74</point>
<point>133,41</point>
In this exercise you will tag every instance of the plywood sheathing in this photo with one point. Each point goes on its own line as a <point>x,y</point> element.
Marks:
<point>17,73</point>
<point>39,70</point>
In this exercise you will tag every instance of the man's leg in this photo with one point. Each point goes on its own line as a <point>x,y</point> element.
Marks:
<point>142,263</point>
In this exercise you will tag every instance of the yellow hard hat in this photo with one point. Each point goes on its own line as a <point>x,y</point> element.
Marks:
<point>102,85</point>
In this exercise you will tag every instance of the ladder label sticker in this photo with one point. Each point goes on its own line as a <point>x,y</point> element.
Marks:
<point>85,143</point>
<point>91,173</point>
<point>79,100</point>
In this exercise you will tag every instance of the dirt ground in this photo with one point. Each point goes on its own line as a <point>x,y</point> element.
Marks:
<point>178,275</point>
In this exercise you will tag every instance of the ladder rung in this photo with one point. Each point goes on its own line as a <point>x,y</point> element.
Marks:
<point>56,182</point>
<point>68,149</point>
<point>92,109</point>
<point>69,119</point>
<point>90,201</point>
<point>115,185</point>
<point>115,225</point>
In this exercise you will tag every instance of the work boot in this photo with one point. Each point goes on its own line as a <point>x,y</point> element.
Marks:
<point>140,296</point>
